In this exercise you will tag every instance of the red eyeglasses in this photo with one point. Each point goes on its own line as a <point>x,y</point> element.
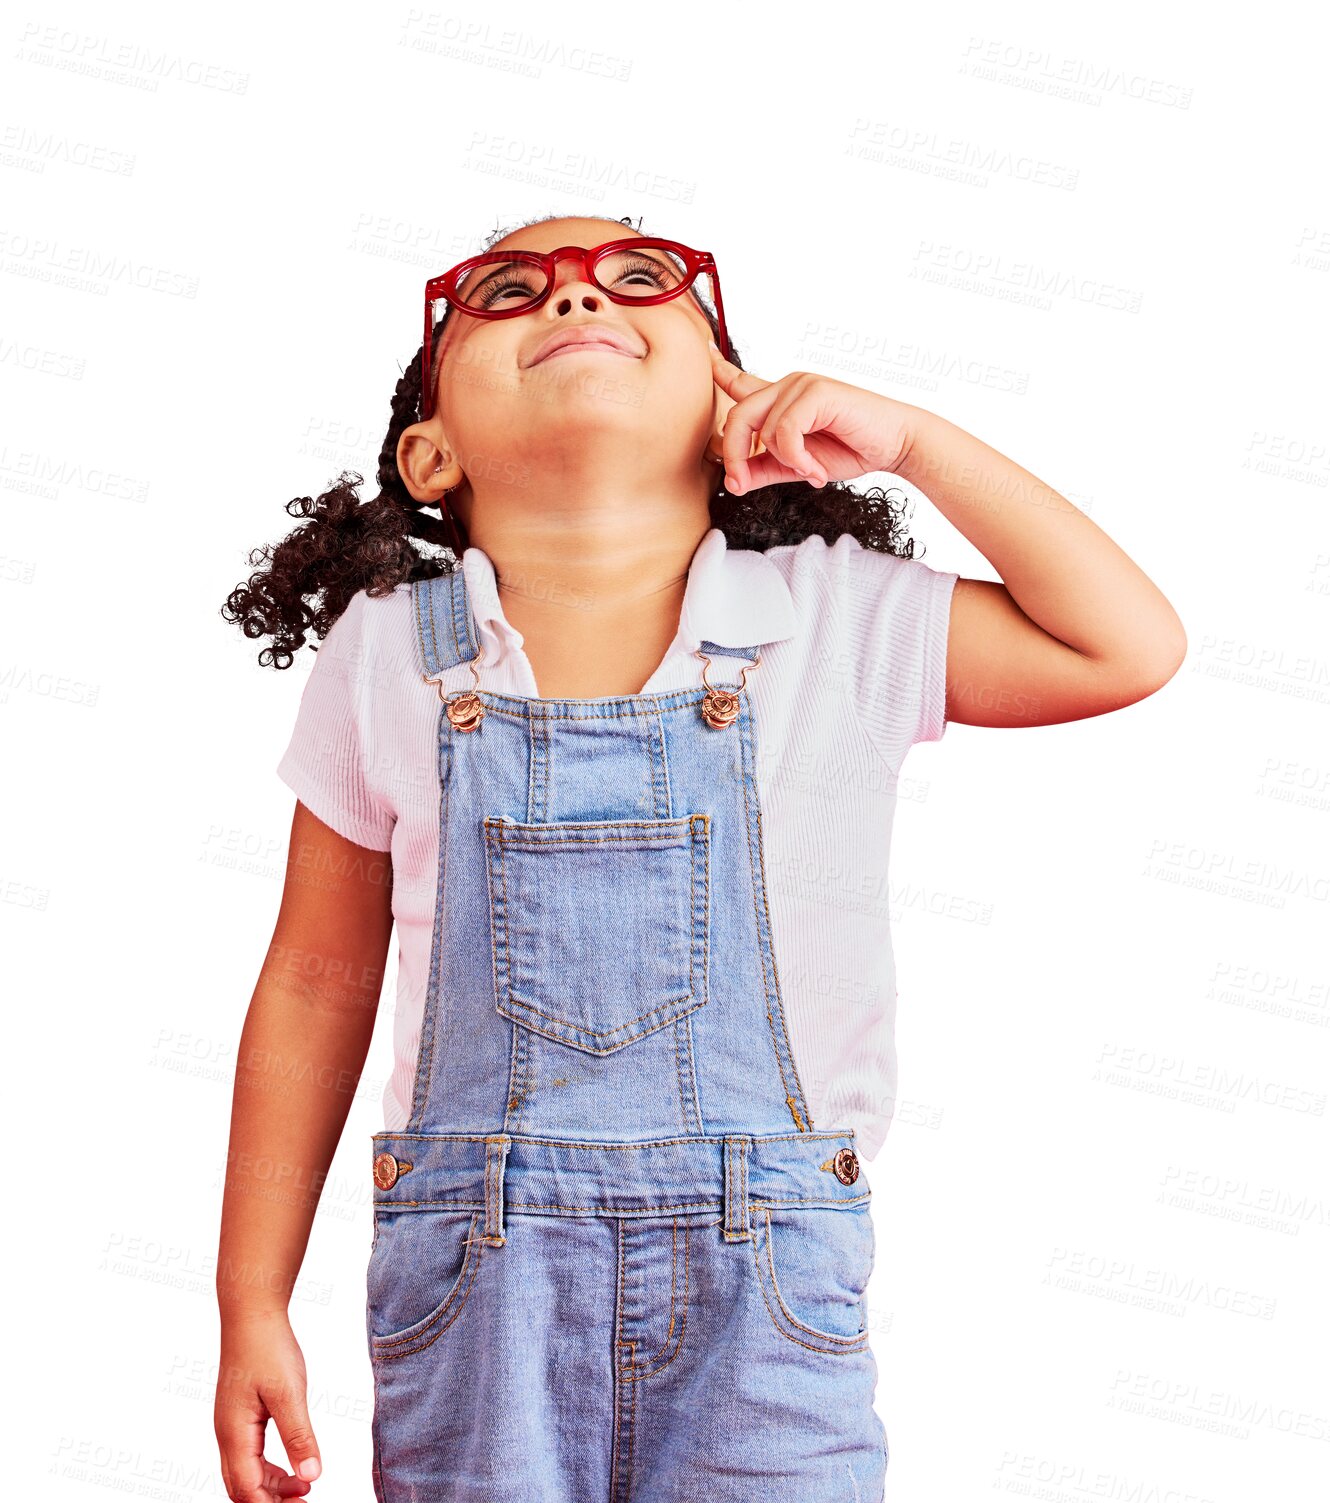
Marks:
<point>506,284</point>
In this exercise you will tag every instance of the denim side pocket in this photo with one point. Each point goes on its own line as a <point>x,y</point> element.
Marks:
<point>813,1265</point>
<point>421,1270</point>
<point>599,927</point>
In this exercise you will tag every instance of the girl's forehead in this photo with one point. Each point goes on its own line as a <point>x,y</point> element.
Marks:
<point>576,233</point>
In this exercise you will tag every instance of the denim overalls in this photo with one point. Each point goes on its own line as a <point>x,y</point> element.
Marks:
<point>614,1260</point>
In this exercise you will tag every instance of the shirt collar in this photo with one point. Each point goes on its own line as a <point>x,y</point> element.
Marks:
<point>734,597</point>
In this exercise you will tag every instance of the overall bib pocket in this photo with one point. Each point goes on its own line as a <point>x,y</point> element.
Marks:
<point>813,1266</point>
<point>599,927</point>
<point>422,1267</point>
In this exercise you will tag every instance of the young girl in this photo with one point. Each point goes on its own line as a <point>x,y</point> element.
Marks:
<point>614,740</point>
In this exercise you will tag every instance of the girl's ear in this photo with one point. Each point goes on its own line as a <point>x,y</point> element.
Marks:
<point>426,463</point>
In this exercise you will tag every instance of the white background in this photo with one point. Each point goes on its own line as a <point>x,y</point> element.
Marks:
<point>1100,240</point>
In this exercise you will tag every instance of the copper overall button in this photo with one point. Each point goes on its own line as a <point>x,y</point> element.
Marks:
<point>385,1171</point>
<point>846,1166</point>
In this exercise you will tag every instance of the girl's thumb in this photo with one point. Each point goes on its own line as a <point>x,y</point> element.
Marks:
<point>292,1420</point>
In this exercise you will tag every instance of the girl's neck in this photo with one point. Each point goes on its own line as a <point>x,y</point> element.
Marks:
<point>590,627</point>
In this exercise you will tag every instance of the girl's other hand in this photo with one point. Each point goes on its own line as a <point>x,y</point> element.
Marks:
<point>811,428</point>
<point>262,1377</point>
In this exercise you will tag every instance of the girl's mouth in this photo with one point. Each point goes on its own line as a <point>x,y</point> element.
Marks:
<point>586,344</point>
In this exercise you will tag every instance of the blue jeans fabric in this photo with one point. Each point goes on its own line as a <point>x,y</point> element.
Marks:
<point>613,1257</point>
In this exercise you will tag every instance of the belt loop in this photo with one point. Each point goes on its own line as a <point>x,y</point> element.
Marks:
<point>737,1227</point>
<point>496,1155</point>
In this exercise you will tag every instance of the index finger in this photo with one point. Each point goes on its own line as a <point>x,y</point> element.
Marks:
<point>731,380</point>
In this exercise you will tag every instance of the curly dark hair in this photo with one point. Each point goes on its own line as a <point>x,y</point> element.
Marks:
<point>303,583</point>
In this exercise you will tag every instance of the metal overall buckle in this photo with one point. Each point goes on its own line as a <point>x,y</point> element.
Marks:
<point>720,707</point>
<point>464,710</point>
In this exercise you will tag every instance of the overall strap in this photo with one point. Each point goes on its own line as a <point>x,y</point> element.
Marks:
<point>444,632</point>
<point>733,652</point>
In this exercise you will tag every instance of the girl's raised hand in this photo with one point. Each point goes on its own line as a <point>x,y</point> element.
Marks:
<point>811,428</point>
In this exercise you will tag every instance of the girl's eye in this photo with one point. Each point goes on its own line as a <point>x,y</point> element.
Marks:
<point>652,271</point>
<point>528,282</point>
<point>524,282</point>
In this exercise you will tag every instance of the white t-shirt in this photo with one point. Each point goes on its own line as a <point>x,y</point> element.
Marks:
<point>853,673</point>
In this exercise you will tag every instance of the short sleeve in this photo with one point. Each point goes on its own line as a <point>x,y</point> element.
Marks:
<point>324,762</point>
<point>896,617</point>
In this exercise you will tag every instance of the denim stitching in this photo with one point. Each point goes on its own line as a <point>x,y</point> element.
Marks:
<point>498,919</point>
<point>540,1207</point>
<point>460,617</point>
<point>425,595</point>
<point>743,1170</point>
<point>674,1282</point>
<point>655,1208</point>
<point>429,1022</point>
<point>761,948</point>
<point>531,835</point>
<point>603,1033</point>
<point>647,1369</point>
<point>376,1439</point>
<point>494,1197</point>
<point>539,757</point>
<point>463,1287</point>
<point>679,1070</point>
<point>685,1072</point>
<point>839,1346</point>
<point>622,708</point>
<point>597,1145</point>
<point>658,765</point>
<point>528,1081</point>
<point>417,595</point>
<point>765,951</point>
<point>622,1393</point>
<point>695,841</point>
<point>515,1100</point>
<point>630,1394</point>
<point>705,924</point>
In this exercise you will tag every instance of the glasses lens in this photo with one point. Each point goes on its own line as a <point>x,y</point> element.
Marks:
<point>501,284</point>
<point>648,270</point>
<point>644,271</point>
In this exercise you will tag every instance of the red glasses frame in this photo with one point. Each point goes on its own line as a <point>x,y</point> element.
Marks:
<point>446,285</point>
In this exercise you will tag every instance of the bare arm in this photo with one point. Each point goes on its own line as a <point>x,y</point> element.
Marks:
<point>1075,628</point>
<point>302,1048</point>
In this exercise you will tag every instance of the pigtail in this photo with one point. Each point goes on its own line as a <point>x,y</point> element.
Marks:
<point>302,584</point>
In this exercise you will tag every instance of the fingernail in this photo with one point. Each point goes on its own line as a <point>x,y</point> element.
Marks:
<point>712,343</point>
<point>309,1468</point>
